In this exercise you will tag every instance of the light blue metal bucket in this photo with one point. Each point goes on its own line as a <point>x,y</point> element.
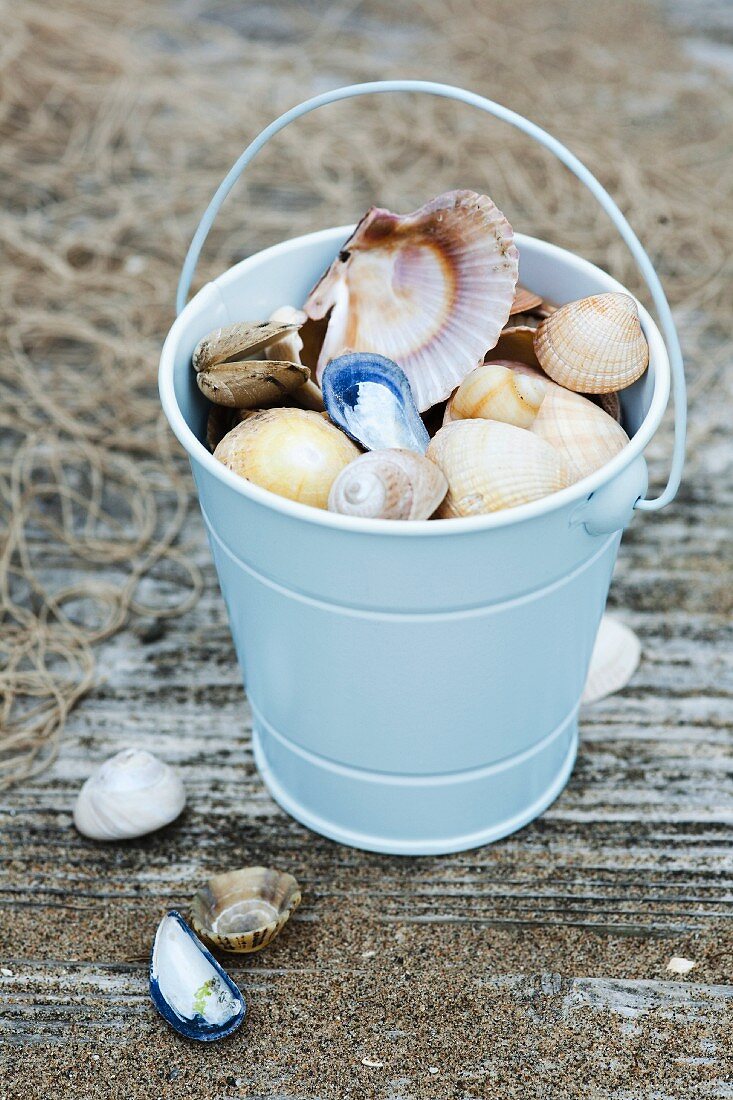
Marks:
<point>415,686</point>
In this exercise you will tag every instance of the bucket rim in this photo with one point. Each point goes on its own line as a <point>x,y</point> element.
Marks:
<point>578,492</point>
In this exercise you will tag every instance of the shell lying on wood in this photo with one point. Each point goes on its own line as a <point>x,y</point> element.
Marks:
<point>586,435</point>
<point>615,659</point>
<point>493,391</point>
<point>296,453</point>
<point>250,384</point>
<point>131,794</point>
<point>188,987</point>
<point>491,466</point>
<point>430,290</point>
<point>389,484</point>
<point>594,345</point>
<point>244,910</point>
<point>370,398</point>
<point>239,341</point>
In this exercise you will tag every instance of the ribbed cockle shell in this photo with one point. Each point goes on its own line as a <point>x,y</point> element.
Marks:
<point>244,910</point>
<point>491,466</point>
<point>389,484</point>
<point>586,435</point>
<point>430,290</point>
<point>594,345</point>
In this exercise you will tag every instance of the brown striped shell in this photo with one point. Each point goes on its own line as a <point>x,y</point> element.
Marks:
<point>244,910</point>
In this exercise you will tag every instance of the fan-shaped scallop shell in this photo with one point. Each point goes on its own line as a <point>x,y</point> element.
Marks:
<point>430,290</point>
<point>491,466</point>
<point>388,484</point>
<point>615,659</point>
<point>244,910</point>
<point>594,345</point>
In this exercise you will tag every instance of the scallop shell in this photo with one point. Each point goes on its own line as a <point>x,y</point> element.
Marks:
<point>586,435</point>
<point>188,987</point>
<point>131,794</point>
<point>493,391</point>
<point>594,345</point>
<point>430,290</point>
<point>239,341</point>
<point>244,910</point>
<point>389,484</point>
<point>491,466</point>
<point>615,659</point>
<point>295,453</point>
<point>370,398</point>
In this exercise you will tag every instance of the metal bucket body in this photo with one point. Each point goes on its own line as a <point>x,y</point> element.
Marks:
<point>415,686</point>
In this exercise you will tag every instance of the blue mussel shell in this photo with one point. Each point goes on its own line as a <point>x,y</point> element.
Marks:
<point>369,396</point>
<point>188,987</point>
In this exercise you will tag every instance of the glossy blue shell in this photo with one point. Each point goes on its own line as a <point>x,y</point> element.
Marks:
<point>196,1028</point>
<point>369,396</point>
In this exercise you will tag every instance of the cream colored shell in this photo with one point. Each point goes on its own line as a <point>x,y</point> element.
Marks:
<point>493,391</point>
<point>250,384</point>
<point>131,794</point>
<point>296,453</point>
<point>240,341</point>
<point>615,659</point>
<point>290,347</point>
<point>586,435</point>
<point>388,484</point>
<point>491,466</point>
<point>594,345</point>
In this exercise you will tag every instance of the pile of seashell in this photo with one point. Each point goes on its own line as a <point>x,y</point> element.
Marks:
<point>419,380</point>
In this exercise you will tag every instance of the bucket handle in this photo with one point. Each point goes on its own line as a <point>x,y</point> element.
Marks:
<point>563,154</point>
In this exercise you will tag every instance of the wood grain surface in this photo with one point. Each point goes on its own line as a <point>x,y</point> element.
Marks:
<point>532,968</point>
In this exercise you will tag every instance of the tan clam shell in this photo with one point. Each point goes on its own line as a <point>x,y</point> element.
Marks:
<point>250,384</point>
<point>290,347</point>
<point>586,435</point>
<point>430,290</point>
<point>594,345</point>
<point>491,466</point>
<point>242,340</point>
<point>388,484</point>
<point>244,910</point>
<point>296,453</point>
<point>493,391</point>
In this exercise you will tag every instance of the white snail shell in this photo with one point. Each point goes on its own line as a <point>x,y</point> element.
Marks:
<point>131,794</point>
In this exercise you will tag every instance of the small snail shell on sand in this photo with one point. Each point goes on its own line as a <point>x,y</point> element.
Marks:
<point>586,435</point>
<point>389,484</point>
<point>594,345</point>
<point>491,466</point>
<point>495,392</point>
<point>131,794</point>
<point>296,453</point>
